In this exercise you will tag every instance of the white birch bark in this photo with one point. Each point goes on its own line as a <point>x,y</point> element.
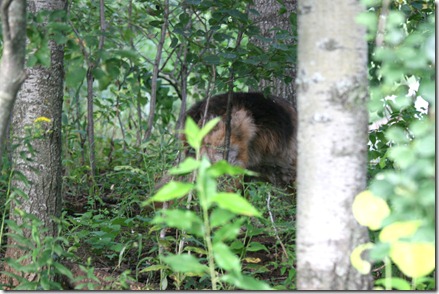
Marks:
<point>332,143</point>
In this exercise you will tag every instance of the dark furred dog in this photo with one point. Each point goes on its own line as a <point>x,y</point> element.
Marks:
<point>263,134</point>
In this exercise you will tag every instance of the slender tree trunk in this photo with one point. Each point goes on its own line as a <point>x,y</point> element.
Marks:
<point>90,93</point>
<point>12,74</point>
<point>185,69</point>
<point>332,143</point>
<point>90,123</point>
<point>156,68</point>
<point>38,107</point>
<point>184,74</point>
<point>269,18</point>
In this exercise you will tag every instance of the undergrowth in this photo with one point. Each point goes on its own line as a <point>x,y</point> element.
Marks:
<point>107,239</point>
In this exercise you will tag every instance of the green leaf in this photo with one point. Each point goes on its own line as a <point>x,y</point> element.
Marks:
<point>212,59</point>
<point>235,203</point>
<point>187,166</point>
<point>402,155</point>
<point>208,127</point>
<point>425,146</point>
<point>229,231</point>
<point>153,268</point>
<point>206,185</point>
<point>170,191</point>
<point>245,282</point>
<point>237,245</point>
<point>63,270</point>
<point>427,91</point>
<point>396,283</point>
<point>130,54</point>
<point>225,258</point>
<point>43,55</point>
<point>222,167</point>
<point>256,246</point>
<point>420,127</point>
<point>397,135</point>
<point>219,217</point>
<point>191,131</point>
<point>369,20</point>
<point>185,220</point>
<point>185,263</point>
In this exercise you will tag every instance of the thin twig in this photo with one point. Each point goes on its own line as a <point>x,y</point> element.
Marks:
<point>208,95</point>
<point>274,226</point>
<point>5,22</point>
<point>382,23</point>
<point>152,102</point>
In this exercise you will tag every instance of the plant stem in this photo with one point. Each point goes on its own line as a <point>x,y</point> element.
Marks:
<point>209,248</point>
<point>6,208</point>
<point>388,271</point>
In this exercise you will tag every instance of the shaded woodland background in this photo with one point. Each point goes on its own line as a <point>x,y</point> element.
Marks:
<point>94,129</point>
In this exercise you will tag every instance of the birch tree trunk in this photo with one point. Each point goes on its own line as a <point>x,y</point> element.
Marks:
<point>269,18</point>
<point>332,143</point>
<point>38,107</point>
<point>12,74</point>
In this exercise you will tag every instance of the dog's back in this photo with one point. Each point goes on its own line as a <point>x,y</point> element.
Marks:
<point>263,134</point>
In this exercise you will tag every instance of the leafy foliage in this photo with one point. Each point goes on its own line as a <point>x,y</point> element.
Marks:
<point>213,204</point>
<point>207,47</point>
<point>401,199</point>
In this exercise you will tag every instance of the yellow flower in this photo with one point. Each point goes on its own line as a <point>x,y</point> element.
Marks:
<point>42,119</point>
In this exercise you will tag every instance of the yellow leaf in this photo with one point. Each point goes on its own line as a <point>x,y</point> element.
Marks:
<point>398,230</point>
<point>414,259</point>
<point>370,210</point>
<point>252,260</point>
<point>362,266</point>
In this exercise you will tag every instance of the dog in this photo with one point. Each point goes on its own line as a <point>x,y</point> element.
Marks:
<point>262,137</point>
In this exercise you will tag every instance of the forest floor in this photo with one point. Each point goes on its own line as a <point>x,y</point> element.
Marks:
<point>267,253</point>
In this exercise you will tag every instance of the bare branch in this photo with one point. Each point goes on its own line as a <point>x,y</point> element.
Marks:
<point>155,72</point>
<point>5,18</point>
<point>12,74</point>
<point>382,23</point>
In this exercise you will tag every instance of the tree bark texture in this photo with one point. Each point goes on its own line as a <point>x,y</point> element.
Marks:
<point>332,143</point>
<point>12,74</point>
<point>41,96</point>
<point>268,19</point>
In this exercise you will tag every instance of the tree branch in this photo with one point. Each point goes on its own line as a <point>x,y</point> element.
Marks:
<point>155,72</point>
<point>12,73</point>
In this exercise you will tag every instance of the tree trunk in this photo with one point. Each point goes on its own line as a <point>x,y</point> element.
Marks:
<point>332,143</point>
<point>156,70</point>
<point>38,107</point>
<point>12,72</point>
<point>268,19</point>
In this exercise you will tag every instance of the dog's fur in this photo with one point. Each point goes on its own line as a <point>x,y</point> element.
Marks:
<point>263,134</point>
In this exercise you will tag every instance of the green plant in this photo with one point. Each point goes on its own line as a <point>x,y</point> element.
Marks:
<point>399,204</point>
<point>216,225</point>
<point>43,255</point>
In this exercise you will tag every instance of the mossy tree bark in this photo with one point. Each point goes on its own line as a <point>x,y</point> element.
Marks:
<point>271,17</point>
<point>36,134</point>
